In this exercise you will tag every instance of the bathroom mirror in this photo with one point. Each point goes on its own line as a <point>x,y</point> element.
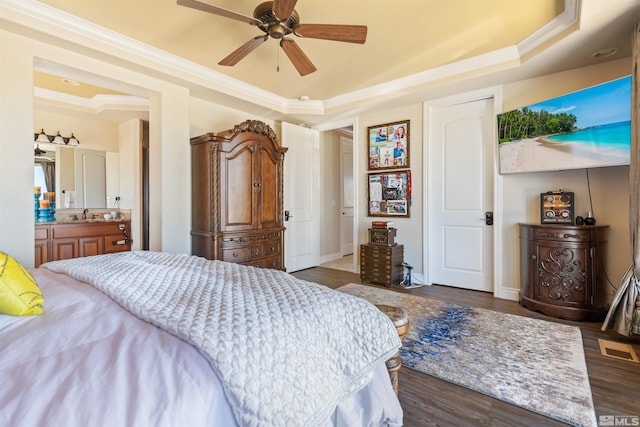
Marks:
<point>81,178</point>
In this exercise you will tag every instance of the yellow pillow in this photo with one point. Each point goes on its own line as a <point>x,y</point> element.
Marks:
<point>19,292</point>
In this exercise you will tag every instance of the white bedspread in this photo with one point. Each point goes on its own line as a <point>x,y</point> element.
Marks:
<point>286,351</point>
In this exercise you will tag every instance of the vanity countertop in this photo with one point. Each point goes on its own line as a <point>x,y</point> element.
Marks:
<point>79,221</point>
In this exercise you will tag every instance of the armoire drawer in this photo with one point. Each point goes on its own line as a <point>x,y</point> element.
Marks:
<point>239,254</point>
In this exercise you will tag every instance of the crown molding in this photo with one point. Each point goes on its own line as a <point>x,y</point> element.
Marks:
<point>202,80</point>
<point>511,56</point>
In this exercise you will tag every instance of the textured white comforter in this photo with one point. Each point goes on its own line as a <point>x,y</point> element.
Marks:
<point>286,351</point>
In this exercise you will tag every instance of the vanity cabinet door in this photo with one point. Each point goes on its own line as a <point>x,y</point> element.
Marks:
<point>87,239</point>
<point>41,254</point>
<point>90,246</point>
<point>42,246</point>
<point>65,249</point>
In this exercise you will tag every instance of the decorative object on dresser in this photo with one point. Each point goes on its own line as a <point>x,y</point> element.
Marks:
<point>237,196</point>
<point>561,271</point>
<point>55,242</point>
<point>382,233</point>
<point>557,208</point>
<point>381,264</point>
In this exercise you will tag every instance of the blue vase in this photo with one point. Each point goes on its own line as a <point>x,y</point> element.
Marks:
<point>36,206</point>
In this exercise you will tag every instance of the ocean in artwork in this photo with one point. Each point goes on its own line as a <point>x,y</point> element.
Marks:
<point>613,136</point>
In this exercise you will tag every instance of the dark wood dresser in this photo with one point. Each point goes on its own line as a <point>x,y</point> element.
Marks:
<point>237,196</point>
<point>561,270</point>
<point>381,263</point>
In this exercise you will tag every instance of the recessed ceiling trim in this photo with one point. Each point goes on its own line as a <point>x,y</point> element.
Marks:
<point>570,16</point>
<point>45,19</point>
<point>97,103</point>
<point>503,58</point>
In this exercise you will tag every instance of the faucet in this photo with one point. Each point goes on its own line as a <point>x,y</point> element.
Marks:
<point>84,213</point>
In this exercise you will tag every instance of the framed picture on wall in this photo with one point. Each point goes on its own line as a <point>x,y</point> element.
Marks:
<point>389,193</point>
<point>389,145</point>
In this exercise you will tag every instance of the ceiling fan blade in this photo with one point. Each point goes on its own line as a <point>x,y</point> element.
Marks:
<point>297,57</point>
<point>340,33</point>
<point>219,11</point>
<point>283,8</point>
<point>234,57</point>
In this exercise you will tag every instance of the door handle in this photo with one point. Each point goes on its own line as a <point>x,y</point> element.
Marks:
<point>287,215</point>
<point>488,218</point>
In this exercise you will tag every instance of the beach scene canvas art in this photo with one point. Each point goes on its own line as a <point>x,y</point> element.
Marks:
<point>585,129</point>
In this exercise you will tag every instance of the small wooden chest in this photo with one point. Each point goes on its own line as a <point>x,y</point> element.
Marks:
<point>381,264</point>
<point>382,236</point>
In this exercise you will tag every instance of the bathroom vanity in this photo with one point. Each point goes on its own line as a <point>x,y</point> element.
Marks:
<point>55,241</point>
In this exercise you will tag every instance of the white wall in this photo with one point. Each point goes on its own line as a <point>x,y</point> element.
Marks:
<point>130,172</point>
<point>519,195</point>
<point>169,135</point>
<point>209,117</point>
<point>409,230</point>
<point>16,149</point>
<point>93,134</point>
<point>175,116</point>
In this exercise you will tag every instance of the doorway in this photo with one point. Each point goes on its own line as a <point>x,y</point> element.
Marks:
<point>337,199</point>
<point>346,196</point>
<point>461,148</point>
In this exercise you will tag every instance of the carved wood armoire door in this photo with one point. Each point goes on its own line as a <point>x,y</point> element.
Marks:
<point>237,193</point>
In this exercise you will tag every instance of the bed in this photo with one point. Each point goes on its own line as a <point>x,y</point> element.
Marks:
<point>148,338</point>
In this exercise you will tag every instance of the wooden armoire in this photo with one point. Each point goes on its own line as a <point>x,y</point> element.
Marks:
<point>237,196</point>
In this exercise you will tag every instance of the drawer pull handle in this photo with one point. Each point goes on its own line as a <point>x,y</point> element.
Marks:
<point>534,257</point>
<point>235,254</point>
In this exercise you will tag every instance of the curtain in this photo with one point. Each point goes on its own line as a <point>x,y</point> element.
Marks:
<point>49,169</point>
<point>624,315</point>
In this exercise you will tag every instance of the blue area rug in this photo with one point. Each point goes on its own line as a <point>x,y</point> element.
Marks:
<point>531,363</point>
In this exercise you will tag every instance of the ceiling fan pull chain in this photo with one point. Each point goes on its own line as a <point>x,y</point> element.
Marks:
<point>277,58</point>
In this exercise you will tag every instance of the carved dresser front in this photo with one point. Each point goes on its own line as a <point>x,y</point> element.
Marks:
<point>561,270</point>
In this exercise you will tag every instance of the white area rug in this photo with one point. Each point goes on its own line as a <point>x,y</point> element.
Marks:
<point>531,363</point>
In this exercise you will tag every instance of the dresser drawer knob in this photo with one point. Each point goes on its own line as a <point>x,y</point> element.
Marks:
<point>235,254</point>
<point>534,257</point>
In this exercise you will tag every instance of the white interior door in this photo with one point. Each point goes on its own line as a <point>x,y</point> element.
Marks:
<point>346,196</point>
<point>301,197</point>
<point>461,153</point>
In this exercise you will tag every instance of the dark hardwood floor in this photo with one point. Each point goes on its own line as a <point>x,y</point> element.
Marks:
<point>428,401</point>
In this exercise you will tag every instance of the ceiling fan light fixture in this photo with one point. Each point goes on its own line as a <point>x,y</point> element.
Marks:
<point>277,31</point>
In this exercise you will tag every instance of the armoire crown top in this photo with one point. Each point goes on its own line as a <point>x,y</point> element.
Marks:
<point>255,126</point>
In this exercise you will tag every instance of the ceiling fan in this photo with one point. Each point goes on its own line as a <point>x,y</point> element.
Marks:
<point>278,19</point>
<point>37,151</point>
